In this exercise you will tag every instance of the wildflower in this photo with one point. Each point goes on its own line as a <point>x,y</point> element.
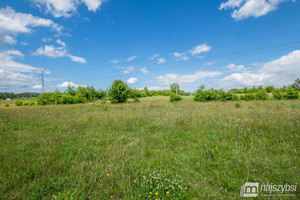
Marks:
<point>111,197</point>
<point>150,192</point>
<point>144,177</point>
<point>167,192</point>
<point>156,193</point>
<point>107,174</point>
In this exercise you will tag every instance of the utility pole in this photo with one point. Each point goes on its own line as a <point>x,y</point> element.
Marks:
<point>43,82</point>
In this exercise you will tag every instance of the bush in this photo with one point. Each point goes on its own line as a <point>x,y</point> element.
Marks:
<point>277,94</point>
<point>292,94</point>
<point>248,97</point>
<point>6,105</point>
<point>31,104</point>
<point>102,101</point>
<point>261,95</point>
<point>237,105</point>
<point>175,97</point>
<point>18,102</point>
<point>118,92</point>
<point>136,100</point>
<point>26,104</point>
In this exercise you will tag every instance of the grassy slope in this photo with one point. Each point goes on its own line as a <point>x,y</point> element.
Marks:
<point>68,149</point>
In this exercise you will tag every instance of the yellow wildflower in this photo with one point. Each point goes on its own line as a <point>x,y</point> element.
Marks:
<point>144,177</point>
<point>156,193</point>
<point>167,192</point>
<point>107,174</point>
<point>111,197</point>
<point>150,192</point>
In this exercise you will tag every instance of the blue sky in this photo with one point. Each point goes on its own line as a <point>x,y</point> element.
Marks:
<point>222,44</point>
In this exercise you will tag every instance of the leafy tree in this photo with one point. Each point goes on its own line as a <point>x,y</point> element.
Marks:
<point>118,92</point>
<point>174,88</point>
<point>296,85</point>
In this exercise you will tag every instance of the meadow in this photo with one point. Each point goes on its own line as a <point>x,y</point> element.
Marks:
<point>112,151</point>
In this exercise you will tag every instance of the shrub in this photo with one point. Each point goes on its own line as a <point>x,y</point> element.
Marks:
<point>26,104</point>
<point>237,105</point>
<point>102,101</point>
<point>6,105</point>
<point>31,104</point>
<point>105,108</point>
<point>291,94</point>
<point>248,97</point>
<point>175,97</point>
<point>136,100</point>
<point>18,102</point>
<point>118,92</point>
<point>277,94</point>
<point>261,95</point>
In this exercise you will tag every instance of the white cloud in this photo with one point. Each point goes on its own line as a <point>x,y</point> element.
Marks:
<point>210,63</point>
<point>154,56</point>
<point>66,8</point>
<point>46,39</point>
<point>132,80</point>
<point>144,70</point>
<point>231,4</point>
<point>114,61</point>
<point>93,5</point>
<point>250,8</point>
<point>200,49</point>
<point>67,84</point>
<point>24,43</point>
<point>37,87</point>
<point>77,59</point>
<point>56,52</point>
<point>61,43</point>
<point>167,79</point>
<point>12,72</point>
<point>131,58</point>
<point>8,39</point>
<point>128,70</point>
<point>282,71</point>
<point>13,23</point>
<point>233,67</point>
<point>161,60</point>
<point>180,56</point>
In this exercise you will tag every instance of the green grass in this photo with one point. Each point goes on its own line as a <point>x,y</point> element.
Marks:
<point>66,151</point>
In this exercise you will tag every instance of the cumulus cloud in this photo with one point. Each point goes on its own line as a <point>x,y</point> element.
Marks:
<point>67,84</point>
<point>56,52</point>
<point>131,58</point>
<point>114,61</point>
<point>66,8</point>
<point>167,79</point>
<point>132,80</point>
<point>16,74</point>
<point>250,8</point>
<point>13,23</point>
<point>282,71</point>
<point>37,87</point>
<point>128,70</point>
<point>144,70</point>
<point>233,67</point>
<point>154,56</point>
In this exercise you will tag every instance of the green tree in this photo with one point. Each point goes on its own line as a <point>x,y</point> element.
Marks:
<point>296,85</point>
<point>174,87</point>
<point>118,92</point>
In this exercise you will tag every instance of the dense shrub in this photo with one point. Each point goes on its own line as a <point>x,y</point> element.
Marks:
<point>118,92</point>
<point>291,94</point>
<point>248,97</point>
<point>237,104</point>
<point>214,95</point>
<point>18,102</point>
<point>136,100</point>
<point>6,105</point>
<point>261,95</point>
<point>277,94</point>
<point>175,97</point>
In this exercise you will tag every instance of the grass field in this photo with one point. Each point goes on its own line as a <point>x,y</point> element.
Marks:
<point>102,151</point>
